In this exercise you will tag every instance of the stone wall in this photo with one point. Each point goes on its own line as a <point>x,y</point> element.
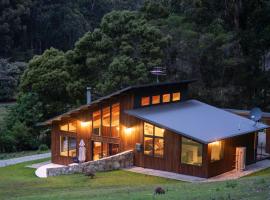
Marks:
<point>118,161</point>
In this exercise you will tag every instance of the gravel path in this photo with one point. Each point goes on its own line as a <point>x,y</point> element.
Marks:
<point>14,161</point>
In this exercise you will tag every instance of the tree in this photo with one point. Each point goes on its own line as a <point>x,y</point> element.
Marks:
<point>9,78</point>
<point>47,77</point>
<point>124,43</point>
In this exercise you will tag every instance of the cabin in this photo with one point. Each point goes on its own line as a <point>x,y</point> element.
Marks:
<point>164,127</point>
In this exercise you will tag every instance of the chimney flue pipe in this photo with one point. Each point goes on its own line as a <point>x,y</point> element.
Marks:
<point>88,95</point>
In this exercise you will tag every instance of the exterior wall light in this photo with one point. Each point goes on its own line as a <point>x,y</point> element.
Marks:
<point>128,130</point>
<point>216,143</point>
<point>84,124</point>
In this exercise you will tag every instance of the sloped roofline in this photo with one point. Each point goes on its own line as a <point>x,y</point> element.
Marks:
<point>146,114</point>
<point>124,90</point>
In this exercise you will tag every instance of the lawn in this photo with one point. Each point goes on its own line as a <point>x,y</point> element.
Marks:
<point>19,182</point>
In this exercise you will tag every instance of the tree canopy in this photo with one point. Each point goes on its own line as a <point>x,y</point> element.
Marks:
<point>225,45</point>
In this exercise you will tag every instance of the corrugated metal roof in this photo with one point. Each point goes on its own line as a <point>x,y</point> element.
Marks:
<point>197,120</point>
<point>127,89</point>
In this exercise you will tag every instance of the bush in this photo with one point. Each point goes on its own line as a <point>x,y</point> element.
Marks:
<point>43,147</point>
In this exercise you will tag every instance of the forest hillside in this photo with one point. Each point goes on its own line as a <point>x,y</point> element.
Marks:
<point>52,50</point>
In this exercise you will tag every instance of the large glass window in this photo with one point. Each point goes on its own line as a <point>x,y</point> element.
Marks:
<point>159,132</point>
<point>72,147</point>
<point>68,146</point>
<point>153,140</point>
<point>115,120</point>
<point>72,126</point>
<point>105,150</point>
<point>110,121</point>
<point>217,150</point>
<point>148,145</point>
<point>114,149</point>
<point>64,127</point>
<point>69,127</point>
<point>191,152</point>
<point>63,145</point>
<point>96,123</point>
<point>101,150</point>
<point>106,121</point>
<point>97,150</point>
<point>158,147</point>
<point>148,129</point>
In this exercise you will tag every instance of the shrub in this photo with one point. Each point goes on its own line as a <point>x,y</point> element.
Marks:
<point>43,147</point>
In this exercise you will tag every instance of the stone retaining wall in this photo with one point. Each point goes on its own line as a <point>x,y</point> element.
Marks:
<point>118,161</point>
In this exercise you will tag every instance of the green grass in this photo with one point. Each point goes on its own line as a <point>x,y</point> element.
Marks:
<point>4,156</point>
<point>19,182</point>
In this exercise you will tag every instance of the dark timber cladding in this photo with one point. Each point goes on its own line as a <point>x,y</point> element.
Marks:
<point>107,126</point>
<point>172,156</point>
<point>125,98</point>
<point>265,119</point>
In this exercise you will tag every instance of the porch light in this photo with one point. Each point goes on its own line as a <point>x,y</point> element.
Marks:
<point>84,124</point>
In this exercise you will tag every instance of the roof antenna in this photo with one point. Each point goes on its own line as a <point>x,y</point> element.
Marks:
<point>158,71</point>
<point>239,126</point>
<point>255,115</point>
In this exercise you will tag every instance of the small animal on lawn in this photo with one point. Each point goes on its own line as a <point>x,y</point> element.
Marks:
<point>90,174</point>
<point>159,190</point>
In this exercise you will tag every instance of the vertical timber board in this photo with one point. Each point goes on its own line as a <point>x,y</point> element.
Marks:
<point>228,161</point>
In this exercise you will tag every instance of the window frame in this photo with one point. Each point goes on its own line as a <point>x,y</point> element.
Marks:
<point>149,101</point>
<point>174,93</point>
<point>109,107</point>
<point>100,110</point>
<point>170,97</point>
<point>152,99</point>
<point>111,119</point>
<point>153,142</point>
<point>109,148</point>
<point>194,165</point>
<point>67,124</point>
<point>68,144</point>
<point>100,119</point>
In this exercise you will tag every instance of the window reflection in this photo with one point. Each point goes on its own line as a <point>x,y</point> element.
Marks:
<point>217,150</point>
<point>96,123</point>
<point>106,121</point>
<point>68,146</point>
<point>115,119</point>
<point>191,152</point>
<point>153,140</point>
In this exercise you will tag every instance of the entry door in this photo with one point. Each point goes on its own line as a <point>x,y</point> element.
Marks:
<point>261,145</point>
<point>96,150</point>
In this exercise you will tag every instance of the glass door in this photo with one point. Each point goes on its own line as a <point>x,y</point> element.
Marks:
<point>96,150</point>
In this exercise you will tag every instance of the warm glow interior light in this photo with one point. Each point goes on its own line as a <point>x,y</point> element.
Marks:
<point>85,124</point>
<point>216,143</point>
<point>128,130</point>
